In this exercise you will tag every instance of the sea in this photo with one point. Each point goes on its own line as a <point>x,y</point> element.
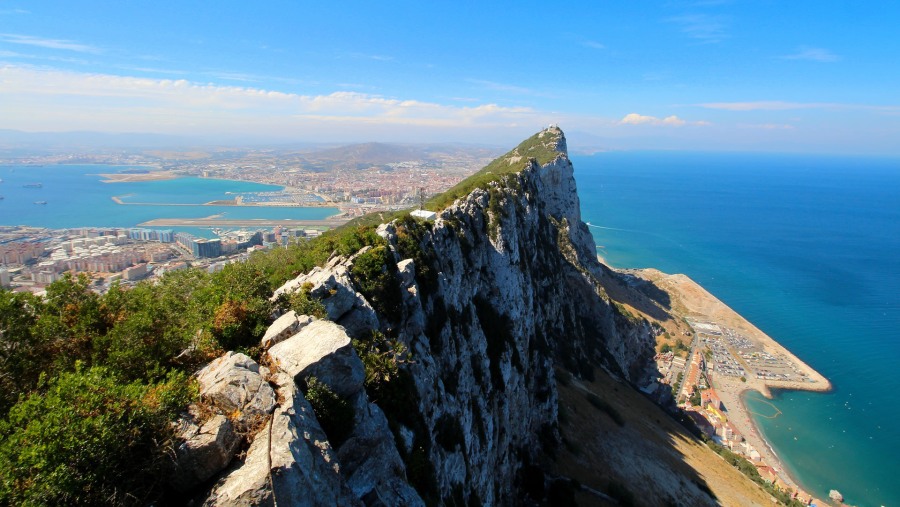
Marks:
<point>805,247</point>
<point>75,196</point>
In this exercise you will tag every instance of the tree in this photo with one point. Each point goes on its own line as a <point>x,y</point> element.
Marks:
<point>70,319</point>
<point>87,439</point>
<point>21,357</point>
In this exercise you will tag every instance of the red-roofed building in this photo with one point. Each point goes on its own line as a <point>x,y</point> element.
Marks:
<point>767,473</point>
<point>710,397</point>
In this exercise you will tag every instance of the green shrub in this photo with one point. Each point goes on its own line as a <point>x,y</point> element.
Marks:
<point>334,413</point>
<point>381,359</point>
<point>88,440</point>
<point>375,273</point>
<point>301,302</point>
<point>411,234</point>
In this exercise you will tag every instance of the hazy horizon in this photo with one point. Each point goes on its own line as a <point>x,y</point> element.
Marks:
<point>689,75</point>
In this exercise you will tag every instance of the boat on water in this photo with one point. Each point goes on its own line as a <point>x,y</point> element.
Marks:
<point>33,185</point>
<point>40,202</point>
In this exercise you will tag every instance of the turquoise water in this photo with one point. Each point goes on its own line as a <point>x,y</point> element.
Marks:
<point>807,249</point>
<point>77,198</point>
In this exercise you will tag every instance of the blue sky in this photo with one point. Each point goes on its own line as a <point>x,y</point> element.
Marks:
<point>805,76</point>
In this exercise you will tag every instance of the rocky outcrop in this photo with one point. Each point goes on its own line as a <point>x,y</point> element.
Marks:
<point>234,385</point>
<point>333,286</point>
<point>291,460</point>
<point>289,463</point>
<point>238,398</point>
<point>322,350</point>
<point>370,460</point>
<point>205,450</point>
<point>283,328</point>
<point>494,296</point>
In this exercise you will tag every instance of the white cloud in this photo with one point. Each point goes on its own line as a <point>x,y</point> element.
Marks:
<point>42,99</point>
<point>813,55</point>
<point>669,121</point>
<point>41,42</point>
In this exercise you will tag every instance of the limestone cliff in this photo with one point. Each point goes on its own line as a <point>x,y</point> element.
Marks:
<point>492,298</point>
<point>507,289</point>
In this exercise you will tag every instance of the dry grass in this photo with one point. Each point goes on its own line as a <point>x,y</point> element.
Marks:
<point>649,455</point>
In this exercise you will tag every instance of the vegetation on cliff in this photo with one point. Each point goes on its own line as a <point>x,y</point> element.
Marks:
<point>542,147</point>
<point>136,346</point>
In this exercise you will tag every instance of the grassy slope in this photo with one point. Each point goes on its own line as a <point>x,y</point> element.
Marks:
<point>649,455</point>
<point>541,147</point>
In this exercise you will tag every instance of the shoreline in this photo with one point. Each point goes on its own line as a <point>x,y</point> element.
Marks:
<point>691,300</point>
<point>731,391</point>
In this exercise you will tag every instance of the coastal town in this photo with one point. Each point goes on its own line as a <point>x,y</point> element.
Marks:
<point>356,179</point>
<point>31,258</point>
<point>716,360</point>
<point>706,381</point>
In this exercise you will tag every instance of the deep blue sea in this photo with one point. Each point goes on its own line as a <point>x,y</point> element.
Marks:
<point>805,247</point>
<point>76,197</point>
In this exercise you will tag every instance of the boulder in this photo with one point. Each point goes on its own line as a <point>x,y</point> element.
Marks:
<point>330,284</point>
<point>205,450</point>
<point>322,350</point>
<point>284,327</point>
<point>234,385</point>
<point>289,463</point>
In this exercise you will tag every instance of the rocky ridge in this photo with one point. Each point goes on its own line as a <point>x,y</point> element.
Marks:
<point>491,299</point>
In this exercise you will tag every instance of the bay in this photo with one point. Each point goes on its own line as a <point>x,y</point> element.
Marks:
<point>805,247</point>
<point>75,196</point>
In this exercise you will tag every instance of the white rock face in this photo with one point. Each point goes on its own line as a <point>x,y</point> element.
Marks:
<point>234,384</point>
<point>370,461</point>
<point>505,287</point>
<point>514,293</point>
<point>284,327</point>
<point>322,350</point>
<point>289,463</point>
<point>205,450</point>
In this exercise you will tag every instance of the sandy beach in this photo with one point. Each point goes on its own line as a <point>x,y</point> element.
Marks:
<point>688,299</point>
<point>693,301</point>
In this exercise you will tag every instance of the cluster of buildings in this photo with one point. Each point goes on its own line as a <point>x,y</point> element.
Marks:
<point>689,385</point>
<point>20,253</point>
<point>31,258</point>
<point>711,417</point>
